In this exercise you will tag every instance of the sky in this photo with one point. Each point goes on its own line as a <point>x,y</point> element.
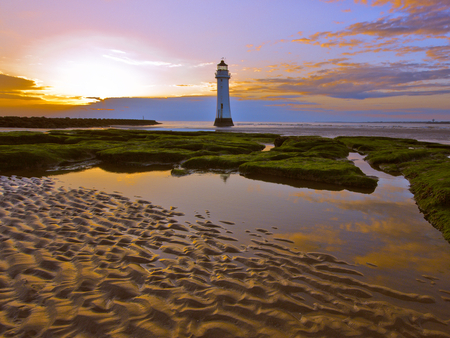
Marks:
<point>290,60</point>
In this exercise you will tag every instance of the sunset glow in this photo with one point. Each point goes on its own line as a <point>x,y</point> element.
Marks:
<point>297,60</point>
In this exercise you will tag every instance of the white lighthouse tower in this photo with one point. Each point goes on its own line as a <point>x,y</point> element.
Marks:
<point>223,114</point>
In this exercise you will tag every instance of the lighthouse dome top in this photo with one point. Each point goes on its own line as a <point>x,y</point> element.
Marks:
<point>222,66</point>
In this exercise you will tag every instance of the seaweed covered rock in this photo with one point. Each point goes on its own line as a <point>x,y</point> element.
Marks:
<point>312,146</point>
<point>340,172</point>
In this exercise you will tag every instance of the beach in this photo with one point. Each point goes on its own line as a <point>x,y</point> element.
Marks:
<point>82,262</point>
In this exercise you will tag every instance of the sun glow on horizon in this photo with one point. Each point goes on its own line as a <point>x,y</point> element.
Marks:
<point>97,65</point>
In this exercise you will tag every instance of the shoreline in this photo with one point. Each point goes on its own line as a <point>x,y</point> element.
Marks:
<point>84,261</point>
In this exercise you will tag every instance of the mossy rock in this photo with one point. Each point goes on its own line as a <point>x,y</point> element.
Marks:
<point>233,161</point>
<point>366,144</point>
<point>42,155</point>
<point>341,172</point>
<point>28,137</point>
<point>177,172</point>
<point>312,146</point>
<point>376,158</point>
<point>18,158</point>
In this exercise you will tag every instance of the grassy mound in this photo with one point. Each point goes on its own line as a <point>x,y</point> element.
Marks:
<point>35,150</point>
<point>341,172</point>
<point>312,146</point>
<point>233,161</point>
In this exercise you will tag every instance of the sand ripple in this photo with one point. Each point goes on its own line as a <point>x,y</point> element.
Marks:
<point>84,263</point>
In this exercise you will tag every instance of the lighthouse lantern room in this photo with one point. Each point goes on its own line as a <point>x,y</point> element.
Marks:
<point>223,113</point>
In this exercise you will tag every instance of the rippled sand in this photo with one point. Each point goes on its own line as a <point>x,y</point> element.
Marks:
<point>83,263</point>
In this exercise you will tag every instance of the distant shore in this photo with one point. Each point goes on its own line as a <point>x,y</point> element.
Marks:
<point>67,122</point>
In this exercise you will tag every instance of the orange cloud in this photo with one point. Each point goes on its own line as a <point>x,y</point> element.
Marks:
<point>409,5</point>
<point>439,53</point>
<point>348,80</point>
<point>291,68</point>
<point>18,88</point>
<point>304,40</point>
<point>415,20</point>
<point>17,92</point>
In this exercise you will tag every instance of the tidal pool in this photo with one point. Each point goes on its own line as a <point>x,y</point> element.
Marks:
<point>383,233</point>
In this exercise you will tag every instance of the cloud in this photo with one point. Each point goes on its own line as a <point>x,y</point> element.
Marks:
<point>418,23</point>
<point>357,81</point>
<point>402,31</point>
<point>204,64</point>
<point>18,88</point>
<point>8,82</point>
<point>129,61</point>
<point>15,90</point>
<point>411,6</point>
<point>18,97</point>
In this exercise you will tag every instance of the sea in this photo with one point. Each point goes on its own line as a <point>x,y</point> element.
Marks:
<point>421,131</point>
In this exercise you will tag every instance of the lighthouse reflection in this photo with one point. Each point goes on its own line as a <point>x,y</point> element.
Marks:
<point>225,177</point>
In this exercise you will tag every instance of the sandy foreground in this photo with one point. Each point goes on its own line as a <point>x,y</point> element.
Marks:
<point>84,263</point>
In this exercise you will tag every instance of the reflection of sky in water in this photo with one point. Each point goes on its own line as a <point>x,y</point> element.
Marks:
<point>384,228</point>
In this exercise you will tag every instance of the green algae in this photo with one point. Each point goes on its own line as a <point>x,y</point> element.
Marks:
<point>134,148</point>
<point>27,137</point>
<point>339,172</point>
<point>232,161</point>
<point>312,146</point>
<point>43,155</point>
<point>177,172</point>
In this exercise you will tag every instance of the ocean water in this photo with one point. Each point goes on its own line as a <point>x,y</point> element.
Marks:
<point>422,131</point>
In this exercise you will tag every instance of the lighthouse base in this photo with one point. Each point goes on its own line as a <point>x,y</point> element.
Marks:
<point>223,122</point>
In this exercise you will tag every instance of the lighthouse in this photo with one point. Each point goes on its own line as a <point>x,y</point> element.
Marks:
<point>223,113</point>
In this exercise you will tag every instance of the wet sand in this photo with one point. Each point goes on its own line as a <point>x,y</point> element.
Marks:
<point>84,263</point>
